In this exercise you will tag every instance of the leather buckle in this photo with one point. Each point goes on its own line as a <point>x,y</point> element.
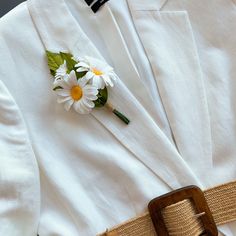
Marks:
<point>197,198</point>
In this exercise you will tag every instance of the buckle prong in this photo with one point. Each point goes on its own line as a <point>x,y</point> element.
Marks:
<point>199,215</point>
<point>192,193</point>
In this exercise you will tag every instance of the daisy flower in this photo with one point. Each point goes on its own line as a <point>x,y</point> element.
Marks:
<point>61,72</point>
<point>76,93</point>
<point>98,72</point>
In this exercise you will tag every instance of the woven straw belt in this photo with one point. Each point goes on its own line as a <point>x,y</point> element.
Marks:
<point>181,218</point>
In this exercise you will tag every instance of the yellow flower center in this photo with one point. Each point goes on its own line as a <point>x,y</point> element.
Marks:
<point>97,72</point>
<point>76,92</point>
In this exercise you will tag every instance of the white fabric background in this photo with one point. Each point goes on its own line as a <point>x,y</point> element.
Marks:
<point>176,71</point>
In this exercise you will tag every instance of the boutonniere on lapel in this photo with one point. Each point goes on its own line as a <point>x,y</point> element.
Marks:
<point>81,83</point>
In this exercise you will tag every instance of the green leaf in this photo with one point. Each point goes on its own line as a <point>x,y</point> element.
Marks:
<point>70,62</point>
<point>102,97</point>
<point>80,74</point>
<point>54,61</point>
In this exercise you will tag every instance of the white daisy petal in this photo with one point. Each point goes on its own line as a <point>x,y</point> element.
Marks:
<point>89,75</point>
<point>82,64</point>
<point>80,108</point>
<point>101,84</point>
<point>81,69</point>
<point>68,104</point>
<point>88,103</point>
<point>76,106</point>
<point>90,93</point>
<point>98,82</point>
<point>63,99</point>
<point>62,92</point>
<point>61,71</point>
<point>82,81</point>
<point>56,83</point>
<point>91,97</point>
<point>91,88</point>
<point>72,80</point>
<point>106,79</point>
<point>62,84</point>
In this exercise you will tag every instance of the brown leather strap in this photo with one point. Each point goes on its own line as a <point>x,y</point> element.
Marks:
<point>181,219</point>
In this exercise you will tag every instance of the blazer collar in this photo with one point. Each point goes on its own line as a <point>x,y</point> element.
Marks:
<point>59,31</point>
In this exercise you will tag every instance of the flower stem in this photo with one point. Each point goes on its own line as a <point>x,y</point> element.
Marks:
<point>121,116</point>
<point>117,113</point>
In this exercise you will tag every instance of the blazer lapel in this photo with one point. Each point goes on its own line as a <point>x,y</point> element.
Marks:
<point>142,136</point>
<point>170,46</point>
<point>120,58</point>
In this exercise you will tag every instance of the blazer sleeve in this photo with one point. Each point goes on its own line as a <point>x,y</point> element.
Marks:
<point>19,175</point>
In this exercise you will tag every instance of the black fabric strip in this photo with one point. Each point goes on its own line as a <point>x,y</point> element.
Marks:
<point>89,2</point>
<point>95,7</point>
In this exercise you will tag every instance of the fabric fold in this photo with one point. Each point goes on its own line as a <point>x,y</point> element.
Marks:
<point>19,175</point>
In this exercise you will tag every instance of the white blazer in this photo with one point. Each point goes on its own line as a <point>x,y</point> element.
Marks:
<point>67,174</point>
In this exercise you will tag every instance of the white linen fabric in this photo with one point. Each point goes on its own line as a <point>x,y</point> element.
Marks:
<point>67,174</point>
